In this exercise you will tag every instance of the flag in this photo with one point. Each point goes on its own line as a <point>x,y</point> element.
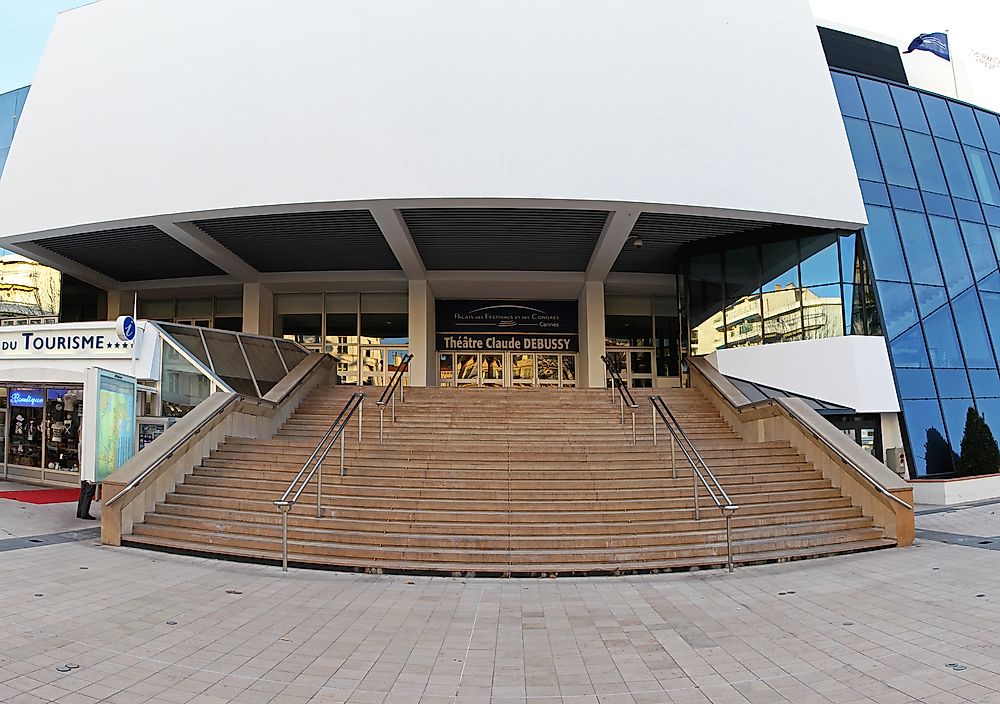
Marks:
<point>934,42</point>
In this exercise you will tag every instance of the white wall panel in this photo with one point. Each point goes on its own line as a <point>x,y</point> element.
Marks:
<point>851,371</point>
<point>155,107</point>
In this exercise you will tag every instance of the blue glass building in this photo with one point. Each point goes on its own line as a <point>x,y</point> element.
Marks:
<point>11,104</point>
<point>928,171</point>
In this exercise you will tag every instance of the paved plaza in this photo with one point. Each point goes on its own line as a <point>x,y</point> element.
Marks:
<point>920,624</point>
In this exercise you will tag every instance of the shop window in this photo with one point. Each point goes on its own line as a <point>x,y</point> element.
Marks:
<point>63,422</point>
<point>26,434</point>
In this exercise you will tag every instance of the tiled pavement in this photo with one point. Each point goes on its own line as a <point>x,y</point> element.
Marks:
<point>146,627</point>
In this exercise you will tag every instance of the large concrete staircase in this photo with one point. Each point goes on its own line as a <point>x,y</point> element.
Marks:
<point>506,481</point>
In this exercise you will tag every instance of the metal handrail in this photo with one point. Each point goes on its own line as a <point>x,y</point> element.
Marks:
<point>389,394</point>
<point>193,432</point>
<point>697,363</point>
<point>314,465</point>
<point>858,469</point>
<point>718,495</point>
<point>623,392</point>
<point>175,446</point>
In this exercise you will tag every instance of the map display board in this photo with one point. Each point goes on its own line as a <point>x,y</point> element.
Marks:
<point>110,435</point>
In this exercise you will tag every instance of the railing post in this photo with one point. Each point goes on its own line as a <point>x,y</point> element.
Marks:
<point>694,478</point>
<point>342,434</point>
<point>401,387</point>
<point>654,423</point>
<point>284,508</point>
<point>621,398</point>
<point>673,456</point>
<point>729,539</point>
<point>381,422</point>
<point>394,408</point>
<point>361,414</point>
<point>319,490</point>
<point>633,426</point>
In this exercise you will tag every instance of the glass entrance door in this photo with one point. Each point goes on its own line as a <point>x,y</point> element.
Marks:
<point>517,369</point>
<point>492,369</point>
<point>522,369</point>
<point>636,366</point>
<point>466,369</point>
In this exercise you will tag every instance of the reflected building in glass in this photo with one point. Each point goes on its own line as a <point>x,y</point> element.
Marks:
<point>784,291</point>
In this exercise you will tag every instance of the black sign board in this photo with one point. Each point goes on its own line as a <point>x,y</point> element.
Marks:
<point>507,317</point>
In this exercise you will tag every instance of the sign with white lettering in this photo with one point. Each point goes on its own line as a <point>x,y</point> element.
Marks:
<point>517,326</point>
<point>506,316</point>
<point>514,343</point>
<point>62,343</point>
<point>27,398</point>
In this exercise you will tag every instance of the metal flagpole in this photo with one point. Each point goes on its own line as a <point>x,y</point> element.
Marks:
<point>135,317</point>
<point>951,60</point>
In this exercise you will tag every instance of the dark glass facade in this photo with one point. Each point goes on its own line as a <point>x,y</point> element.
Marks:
<point>928,168</point>
<point>799,289</point>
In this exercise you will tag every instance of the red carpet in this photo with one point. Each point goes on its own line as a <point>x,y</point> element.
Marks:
<point>42,496</point>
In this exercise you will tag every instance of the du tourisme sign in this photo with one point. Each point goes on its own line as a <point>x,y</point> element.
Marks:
<point>62,342</point>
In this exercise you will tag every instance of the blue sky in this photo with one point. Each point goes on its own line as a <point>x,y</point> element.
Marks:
<point>24,29</point>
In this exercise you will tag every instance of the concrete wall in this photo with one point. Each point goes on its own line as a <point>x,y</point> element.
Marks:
<point>945,492</point>
<point>184,106</point>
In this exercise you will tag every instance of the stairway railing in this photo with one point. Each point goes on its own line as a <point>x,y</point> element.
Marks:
<point>624,395</point>
<point>389,394</point>
<point>703,473</point>
<point>314,467</point>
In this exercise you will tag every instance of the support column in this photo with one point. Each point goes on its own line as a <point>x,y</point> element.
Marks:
<point>258,309</point>
<point>591,311</point>
<point>120,303</point>
<point>423,368</point>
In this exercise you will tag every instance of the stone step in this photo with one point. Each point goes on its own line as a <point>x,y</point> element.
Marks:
<point>680,488</point>
<point>304,516</point>
<point>414,538</point>
<point>339,497</point>
<point>503,480</point>
<point>331,552</point>
<point>506,481</point>
<point>617,514</point>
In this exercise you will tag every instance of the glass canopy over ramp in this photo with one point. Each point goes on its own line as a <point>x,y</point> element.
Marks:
<point>194,360</point>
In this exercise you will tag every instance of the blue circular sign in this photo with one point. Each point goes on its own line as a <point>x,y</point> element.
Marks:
<point>125,328</point>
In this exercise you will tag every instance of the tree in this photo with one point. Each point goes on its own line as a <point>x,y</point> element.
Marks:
<point>980,454</point>
<point>938,455</point>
